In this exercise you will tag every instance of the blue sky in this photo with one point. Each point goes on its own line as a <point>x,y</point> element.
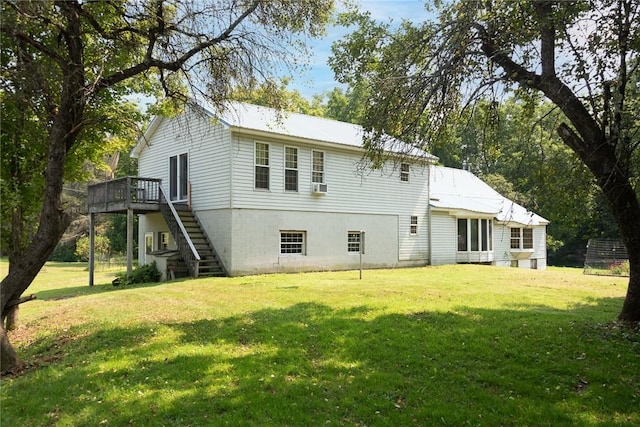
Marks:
<point>319,78</point>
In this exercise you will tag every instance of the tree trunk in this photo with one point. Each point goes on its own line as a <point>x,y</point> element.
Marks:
<point>631,307</point>
<point>9,361</point>
<point>11,321</point>
<point>24,266</point>
<point>599,155</point>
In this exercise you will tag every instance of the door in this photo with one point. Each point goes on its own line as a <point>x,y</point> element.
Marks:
<point>178,177</point>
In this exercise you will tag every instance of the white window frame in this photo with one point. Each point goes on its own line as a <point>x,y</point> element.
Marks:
<point>413,225</point>
<point>149,241</point>
<point>318,172</point>
<point>289,168</point>
<point>354,240</point>
<point>483,236</point>
<point>293,242</point>
<point>179,179</point>
<point>523,242</point>
<point>265,164</point>
<point>405,169</point>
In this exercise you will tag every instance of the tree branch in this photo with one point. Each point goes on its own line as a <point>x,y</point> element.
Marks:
<point>544,10</point>
<point>175,65</point>
<point>21,300</point>
<point>550,85</point>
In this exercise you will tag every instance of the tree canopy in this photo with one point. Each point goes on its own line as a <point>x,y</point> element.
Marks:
<point>581,56</point>
<point>70,66</point>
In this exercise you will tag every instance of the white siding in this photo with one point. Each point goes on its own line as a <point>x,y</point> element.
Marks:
<point>413,247</point>
<point>373,192</point>
<point>501,245</point>
<point>504,256</point>
<point>444,237</point>
<point>207,146</point>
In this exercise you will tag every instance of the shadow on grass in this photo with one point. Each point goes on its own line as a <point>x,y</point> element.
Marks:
<point>78,291</point>
<point>311,364</point>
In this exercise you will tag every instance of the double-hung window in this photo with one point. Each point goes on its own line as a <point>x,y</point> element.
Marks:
<point>290,169</point>
<point>404,172</point>
<point>292,243</point>
<point>353,242</point>
<point>413,225</point>
<point>317,172</point>
<point>521,238</point>
<point>262,166</point>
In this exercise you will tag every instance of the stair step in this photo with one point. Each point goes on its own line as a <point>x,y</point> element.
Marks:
<point>208,264</point>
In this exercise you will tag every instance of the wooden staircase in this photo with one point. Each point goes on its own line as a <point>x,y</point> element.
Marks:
<point>208,264</point>
<point>195,248</point>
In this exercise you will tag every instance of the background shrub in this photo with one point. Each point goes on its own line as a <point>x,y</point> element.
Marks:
<point>144,274</point>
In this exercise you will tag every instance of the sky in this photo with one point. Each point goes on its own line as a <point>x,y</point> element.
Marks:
<point>319,78</point>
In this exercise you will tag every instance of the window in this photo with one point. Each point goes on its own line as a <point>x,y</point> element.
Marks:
<point>473,223</point>
<point>462,234</point>
<point>148,242</point>
<point>484,230</point>
<point>317,172</point>
<point>490,234</point>
<point>413,226</point>
<point>404,172</point>
<point>353,242</point>
<point>290,169</point>
<point>475,235</point>
<point>262,166</point>
<point>515,238</point>
<point>527,238</point>
<point>522,238</point>
<point>178,177</point>
<point>163,240</point>
<point>292,242</point>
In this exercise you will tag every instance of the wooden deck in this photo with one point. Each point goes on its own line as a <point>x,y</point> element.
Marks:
<point>119,195</point>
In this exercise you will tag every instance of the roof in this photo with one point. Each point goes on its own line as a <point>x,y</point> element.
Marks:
<point>264,120</point>
<point>460,190</point>
<point>253,117</point>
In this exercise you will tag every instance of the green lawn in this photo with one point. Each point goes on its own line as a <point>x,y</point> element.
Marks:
<point>452,345</point>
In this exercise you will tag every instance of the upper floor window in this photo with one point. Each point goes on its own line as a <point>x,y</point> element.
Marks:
<point>290,169</point>
<point>521,238</point>
<point>404,172</point>
<point>413,226</point>
<point>317,172</point>
<point>475,234</point>
<point>262,166</point>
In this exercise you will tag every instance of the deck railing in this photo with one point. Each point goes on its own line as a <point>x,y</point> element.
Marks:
<point>128,191</point>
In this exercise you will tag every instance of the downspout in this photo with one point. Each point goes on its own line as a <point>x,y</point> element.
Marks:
<point>429,214</point>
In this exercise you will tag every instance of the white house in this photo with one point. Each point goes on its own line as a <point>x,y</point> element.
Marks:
<point>473,223</point>
<point>257,191</point>
<point>283,192</point>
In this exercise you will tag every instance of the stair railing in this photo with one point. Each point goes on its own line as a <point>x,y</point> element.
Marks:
<point>185,244</point>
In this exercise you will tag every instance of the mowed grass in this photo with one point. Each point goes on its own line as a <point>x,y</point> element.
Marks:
<point>451,345</point>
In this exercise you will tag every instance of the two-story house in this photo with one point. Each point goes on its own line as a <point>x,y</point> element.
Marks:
<point>254,190</point>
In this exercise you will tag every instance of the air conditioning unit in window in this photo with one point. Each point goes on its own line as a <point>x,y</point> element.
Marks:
<point>319,188</point>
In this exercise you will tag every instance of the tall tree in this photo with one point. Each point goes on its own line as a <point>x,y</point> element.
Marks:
<point>68,65</point>
<point>581,56</point>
